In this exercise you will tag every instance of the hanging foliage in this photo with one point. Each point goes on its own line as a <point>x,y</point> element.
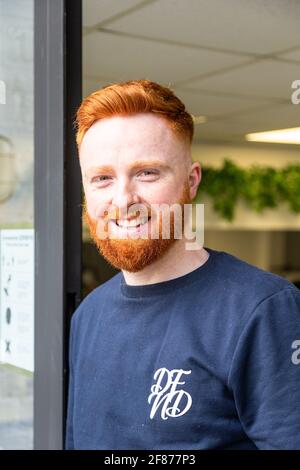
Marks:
<point>259,187</point>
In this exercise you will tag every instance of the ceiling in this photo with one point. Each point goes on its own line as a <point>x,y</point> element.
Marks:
<point>232,61</point>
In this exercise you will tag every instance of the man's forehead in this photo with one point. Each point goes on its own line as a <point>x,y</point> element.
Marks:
<point>125,140</point>
<point>137,128</point>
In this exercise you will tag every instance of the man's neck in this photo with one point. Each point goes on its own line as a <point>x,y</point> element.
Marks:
<point>176,262</point>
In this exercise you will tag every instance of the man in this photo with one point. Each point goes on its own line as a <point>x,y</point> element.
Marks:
<point>183,349</point>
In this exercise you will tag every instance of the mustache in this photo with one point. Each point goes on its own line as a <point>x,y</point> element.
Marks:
<point>114,213</point>
<point>119,215</point>
<point>132,212</point>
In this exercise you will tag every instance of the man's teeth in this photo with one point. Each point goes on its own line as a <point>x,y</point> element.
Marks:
<point>132,222</point>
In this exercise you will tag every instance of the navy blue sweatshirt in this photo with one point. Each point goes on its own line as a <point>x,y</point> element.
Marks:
<point>208,360</point>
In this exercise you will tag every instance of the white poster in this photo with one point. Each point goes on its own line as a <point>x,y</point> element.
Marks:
<point>17,298</point>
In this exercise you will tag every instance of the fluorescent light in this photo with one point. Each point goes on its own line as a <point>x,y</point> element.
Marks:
<point>280,136</point>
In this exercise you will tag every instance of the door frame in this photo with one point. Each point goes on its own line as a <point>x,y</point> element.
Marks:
<point>57,208</point>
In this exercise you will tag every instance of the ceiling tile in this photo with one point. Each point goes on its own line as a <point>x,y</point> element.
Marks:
<point>92,84</point>
<point>208,104</point>
<point>293,55</point>
<point>256,26</point>
<point>127,58</point>
<point>95,11</point>
<point>266,78</point>
<point>277,117</point>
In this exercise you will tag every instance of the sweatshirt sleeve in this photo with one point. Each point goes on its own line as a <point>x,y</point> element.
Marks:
<point>265,372</point>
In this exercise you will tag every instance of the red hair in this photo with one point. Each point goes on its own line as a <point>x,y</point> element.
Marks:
<point>132,97</point>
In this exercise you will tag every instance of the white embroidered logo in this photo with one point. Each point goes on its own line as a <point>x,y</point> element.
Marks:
<point>166,395</point>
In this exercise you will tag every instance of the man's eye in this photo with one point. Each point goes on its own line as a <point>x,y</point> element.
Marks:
<point>148,173</point>
<point>99,179</point>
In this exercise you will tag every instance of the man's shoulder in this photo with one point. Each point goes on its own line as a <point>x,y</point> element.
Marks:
<point>248,281</point>
<point>238,277</point>
<point>240,294</point>
<point>96,297</point>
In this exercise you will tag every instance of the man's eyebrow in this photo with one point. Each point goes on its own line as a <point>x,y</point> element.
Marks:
<point>148,163</point>
<point>98,169</point>
<point>140,164</point>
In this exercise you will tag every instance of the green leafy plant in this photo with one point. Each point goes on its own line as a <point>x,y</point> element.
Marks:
<point>289,186</point>
<point>259,187</point>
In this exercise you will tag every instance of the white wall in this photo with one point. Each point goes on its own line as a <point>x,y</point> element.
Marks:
<point>247,154</point>
<point>258,239</point>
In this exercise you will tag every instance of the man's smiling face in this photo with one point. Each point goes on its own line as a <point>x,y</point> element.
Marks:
<point>129,160</point>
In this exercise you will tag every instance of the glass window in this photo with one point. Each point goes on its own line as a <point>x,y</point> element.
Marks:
<point>16,225</point>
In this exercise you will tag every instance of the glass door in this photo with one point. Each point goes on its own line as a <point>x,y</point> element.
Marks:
<point>16,224</point>
<point>40,216</point>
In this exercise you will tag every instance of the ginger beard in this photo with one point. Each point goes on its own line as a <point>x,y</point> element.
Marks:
<point>133,255</point>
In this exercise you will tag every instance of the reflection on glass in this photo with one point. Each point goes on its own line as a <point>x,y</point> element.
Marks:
<point>7,169</point>
<point>16,225</point>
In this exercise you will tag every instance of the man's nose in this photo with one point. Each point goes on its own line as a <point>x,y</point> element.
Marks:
<point>124,197</point>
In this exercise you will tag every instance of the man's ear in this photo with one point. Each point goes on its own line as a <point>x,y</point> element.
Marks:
<point>194,178</point>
